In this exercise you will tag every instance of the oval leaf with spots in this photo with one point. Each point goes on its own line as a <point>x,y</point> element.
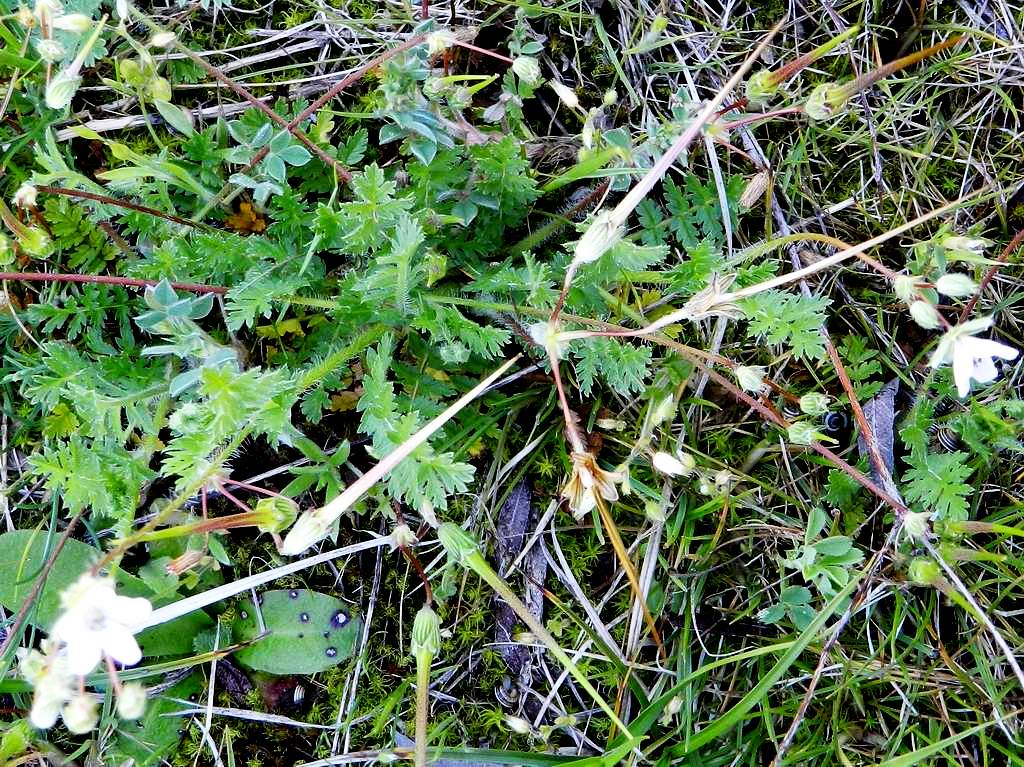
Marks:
<point>305,631</point>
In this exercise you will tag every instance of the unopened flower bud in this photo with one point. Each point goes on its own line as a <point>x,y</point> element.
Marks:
<point>518,725</point>
<point>565,94</point>
<point>402,536</point>
<point>75,23</point>
<point>311,528</point>
<point>81,714</point>
<point>426,633</point>
<point>159,89</point>
<point>49,50</point>
<point>723,480</point>
<point>750,378</point>
<point>825,101</point>
<point>683,466</point>
<point>131,701</point>
<point>906,287</point>
<point>163,39</point>
<point>655,512</point>
<point>458,544</point>
<point>924,572</point>
<point>527,69</point>
<point>440,41</point>
<point>916,525</point>
<point>753,192</point>
<point>610,97</point>
<point>802,432</point>
<point>275,513</point>
<point>964,248</point>
<point>62,89</point>
<point>925,315</point>
<point>762,87</point>
<point>25,196</point>
<point>814,404</point>
<point>955,285</point>
<point>603,233</point>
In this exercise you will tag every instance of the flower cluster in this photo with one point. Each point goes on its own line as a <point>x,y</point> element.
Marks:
<point>96,624</point>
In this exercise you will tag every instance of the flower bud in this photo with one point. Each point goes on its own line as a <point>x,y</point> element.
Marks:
<point>723,480</point>
<point>603,233</point>
<point>924,572</point>
<point>458,544</point>
<point>906,287</point>
<point>655,512</point>
<point>610,97</point>
<point>565,94</point>
<point>62,88</point>
<point>964,248</point>
<point>426,633</point>
<point>163,39</point>
<point>761,87</point>
<point>159,89</point>
<point>672,466</point>
<point>402,536</point>
<point>518,726</point>
<point>825,101</point>
<point>35,242</point>
<point>750,378</point>
<point>131,701</point>
<point>310,529</point>
<point>753,192</point>
<point>275,513</point>
<point>75,23</point>
<point>527,69</point>
<point>50,51</point>
<point>814,404</point>
<point>25,196</point>
<point>955,285</point>
<point>802,432</point>
<point>925,315</point>
<point>916,525</point>
<point>440,41</point>
<point>81,714</point>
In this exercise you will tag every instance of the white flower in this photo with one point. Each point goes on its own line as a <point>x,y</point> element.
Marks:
<point>131,701</point>
<point>25,196</point>
<point>97,622</point>
<point>566,94</point>
<point>971,357</point>
<point>587,481</point>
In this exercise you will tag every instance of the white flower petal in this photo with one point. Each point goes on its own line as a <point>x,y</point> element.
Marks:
<point>985,347</point>
<point>119,643</point>
<point>131,611</point>
<point>984,370</point>
<point>84,654</point>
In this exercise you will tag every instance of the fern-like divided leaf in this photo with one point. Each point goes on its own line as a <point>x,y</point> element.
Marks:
<point>937,484</point>
<point>788,319</point>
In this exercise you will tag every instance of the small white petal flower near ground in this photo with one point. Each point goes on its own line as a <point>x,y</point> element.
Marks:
<point>588,480</point>
<point>666,463</point>
<point>97,622</point>
<point>973,358</point>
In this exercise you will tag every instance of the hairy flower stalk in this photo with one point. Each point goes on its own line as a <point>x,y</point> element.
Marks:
<point>462,549</point>
<point>828,99</point>
<point>426,644</point>
<point>763,85</point>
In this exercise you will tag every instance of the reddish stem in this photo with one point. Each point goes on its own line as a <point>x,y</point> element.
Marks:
<point>101,279</point>
<point>121,204</point>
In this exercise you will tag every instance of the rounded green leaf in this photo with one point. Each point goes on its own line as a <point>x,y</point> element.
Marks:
<point>306,632</point>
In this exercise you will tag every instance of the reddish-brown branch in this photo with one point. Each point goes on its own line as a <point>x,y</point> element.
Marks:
<point>101,279</point>
<point>120,204</point>
<point>991,273</point>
